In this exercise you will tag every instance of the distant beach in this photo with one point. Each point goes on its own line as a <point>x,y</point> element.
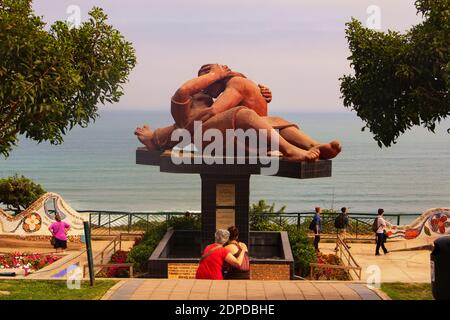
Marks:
<point>95,169</point>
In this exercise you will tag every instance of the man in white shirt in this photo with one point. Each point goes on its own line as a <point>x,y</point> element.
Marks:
<point>380,233</point>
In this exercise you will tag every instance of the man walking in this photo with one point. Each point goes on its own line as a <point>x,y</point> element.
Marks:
<point>381,225</point>
<point>317,221</point>
<point>341,225</point>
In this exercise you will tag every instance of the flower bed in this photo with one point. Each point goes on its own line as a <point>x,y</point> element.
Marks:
<point>118,272</point>
<point>119,256</point>
<point>29,262</point>
<point>323,273</point>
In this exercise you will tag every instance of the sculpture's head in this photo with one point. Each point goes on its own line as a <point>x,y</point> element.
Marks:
<point>217,87</point>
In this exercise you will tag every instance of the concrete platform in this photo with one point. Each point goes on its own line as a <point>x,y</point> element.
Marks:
<point>249,166</point>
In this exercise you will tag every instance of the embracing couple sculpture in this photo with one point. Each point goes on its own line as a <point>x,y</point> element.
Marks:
<point>222,99</point>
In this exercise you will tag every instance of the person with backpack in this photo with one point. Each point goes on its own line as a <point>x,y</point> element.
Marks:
<point>379,226</point>
<point>341,225</point>
<point>316,227</point>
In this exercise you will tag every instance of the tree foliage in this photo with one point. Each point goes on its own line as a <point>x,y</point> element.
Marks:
<point>18,193</point>
<point>259,220</point>
<point>52,80</point>
<point>400,80</point>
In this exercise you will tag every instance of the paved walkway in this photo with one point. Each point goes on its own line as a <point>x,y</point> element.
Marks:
<point>164,289</point>
<point>396,266</point>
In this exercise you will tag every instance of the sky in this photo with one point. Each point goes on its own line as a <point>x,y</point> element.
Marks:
<point>295,47</point>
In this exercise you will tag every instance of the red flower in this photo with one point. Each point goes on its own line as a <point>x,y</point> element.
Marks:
<point>438,223</point>
<point>411,234</point>
<point>441,224</point>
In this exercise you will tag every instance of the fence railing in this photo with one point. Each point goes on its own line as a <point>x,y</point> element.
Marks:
<point>349,263</point>
<point>111,223</point>
<point>359,227</point>
<point>101,259</point>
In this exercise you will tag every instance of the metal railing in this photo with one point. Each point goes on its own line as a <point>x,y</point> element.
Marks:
<point>112,223</point>
<point>349,263</point>
<point>359,227</point>
<point>101,259</point>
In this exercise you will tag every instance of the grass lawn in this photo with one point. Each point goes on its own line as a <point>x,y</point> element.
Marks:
<point>51,290</point>
<point>408,291</point>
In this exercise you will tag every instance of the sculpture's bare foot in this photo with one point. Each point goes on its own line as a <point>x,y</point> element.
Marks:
<point>328,150</point>
<point>145,135</point>
<point>297,155</point>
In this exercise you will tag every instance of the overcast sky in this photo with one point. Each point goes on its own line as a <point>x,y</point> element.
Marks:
<point>296,47</point>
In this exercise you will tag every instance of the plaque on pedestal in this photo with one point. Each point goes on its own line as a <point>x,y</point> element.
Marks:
<point>225,218</point>
<point>225,195</point>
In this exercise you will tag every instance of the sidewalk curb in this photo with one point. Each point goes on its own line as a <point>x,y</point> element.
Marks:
<point>380,293</point>
<point>113,289</point>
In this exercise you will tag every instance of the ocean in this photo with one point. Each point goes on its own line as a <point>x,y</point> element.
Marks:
<point>94,169</point>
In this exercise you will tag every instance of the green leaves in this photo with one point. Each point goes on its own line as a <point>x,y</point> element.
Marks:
<point>400,80</point>
<point>52,81</point>
<point>260,221</point>
<point>19,192</point>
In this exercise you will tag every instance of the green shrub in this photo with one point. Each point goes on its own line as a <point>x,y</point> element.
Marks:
<point>154,234</point>
<point>140,253</point>
<point>18,193</point>
<point>266,226</point>
<point>139,256</point>
<point>187,222</point>
<point>302,250</point>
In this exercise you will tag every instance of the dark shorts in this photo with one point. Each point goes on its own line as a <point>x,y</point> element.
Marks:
<point>60,244</point>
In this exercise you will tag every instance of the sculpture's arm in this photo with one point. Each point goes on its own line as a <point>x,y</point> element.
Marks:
<point>181,100</point>
<point>236,93</point>
<point>230,98</point>
<point>193,86</point>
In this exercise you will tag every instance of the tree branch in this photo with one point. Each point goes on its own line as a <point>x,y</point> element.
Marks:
<point>16,103</point>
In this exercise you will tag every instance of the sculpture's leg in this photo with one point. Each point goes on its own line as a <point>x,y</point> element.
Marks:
<point>301,140</point>
<point>298,138</point>
<point>145,135</point>
<point>248,119</point>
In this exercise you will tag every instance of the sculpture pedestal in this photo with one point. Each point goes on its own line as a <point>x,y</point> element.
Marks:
<point>225,202</point>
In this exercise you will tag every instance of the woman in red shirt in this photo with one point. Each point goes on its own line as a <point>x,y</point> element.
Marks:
<point>215,255</point>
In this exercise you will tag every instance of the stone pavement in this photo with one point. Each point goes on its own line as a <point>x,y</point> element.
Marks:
<point>396,266</point>
<point>165,289</point>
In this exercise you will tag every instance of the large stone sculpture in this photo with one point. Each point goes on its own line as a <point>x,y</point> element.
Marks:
<point>221,101</point>
<point>240,104</point>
